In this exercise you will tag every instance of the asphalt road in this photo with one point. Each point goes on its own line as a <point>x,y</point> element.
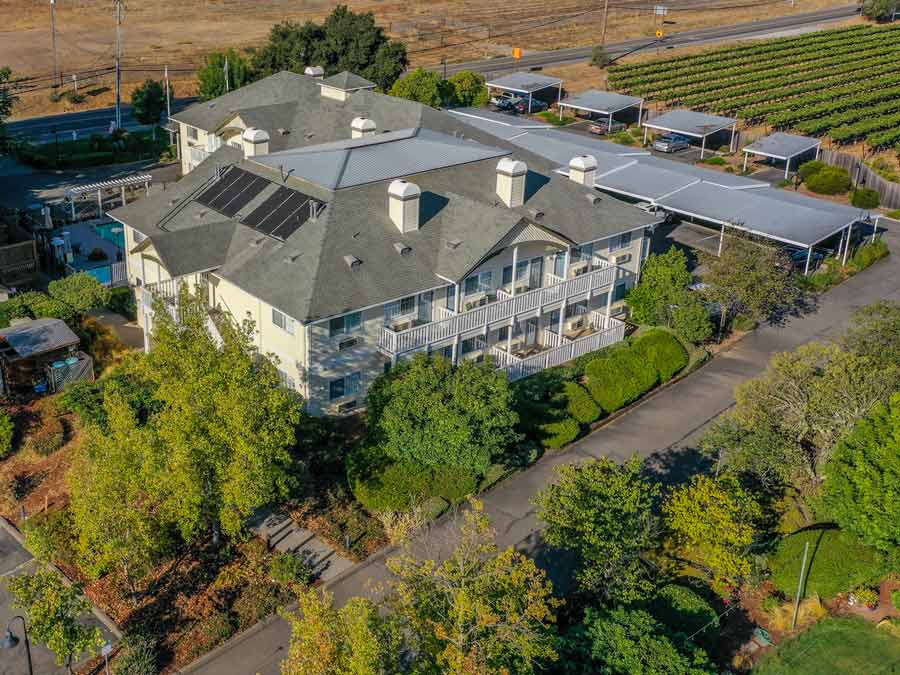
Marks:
<point>41,129</point>
<point>683,39</point>
<point>664,429</point>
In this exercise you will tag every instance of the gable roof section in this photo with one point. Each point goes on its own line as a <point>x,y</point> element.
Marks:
<point>347,81</point>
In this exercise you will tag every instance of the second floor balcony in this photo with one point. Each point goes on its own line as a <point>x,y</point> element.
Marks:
<point>490,310</point>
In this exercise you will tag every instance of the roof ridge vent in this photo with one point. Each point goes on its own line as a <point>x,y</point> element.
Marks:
<point>453,244</point>
<point>402,248</point>
<point>352,261</point>
<point>593,198</point>
<point>537,214</point>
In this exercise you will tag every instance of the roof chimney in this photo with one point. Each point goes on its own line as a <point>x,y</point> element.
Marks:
<point>403,205</point>
<point>317,72</point>
<point>582,169</point>
<point>361,126</point>
<point>511,181</point>
<point>255,142</point>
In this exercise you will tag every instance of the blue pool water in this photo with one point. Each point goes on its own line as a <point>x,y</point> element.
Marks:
<point>106,231</point>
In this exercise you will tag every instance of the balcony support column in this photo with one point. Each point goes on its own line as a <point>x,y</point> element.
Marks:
<point>565,300</point>
<point>455,355</point>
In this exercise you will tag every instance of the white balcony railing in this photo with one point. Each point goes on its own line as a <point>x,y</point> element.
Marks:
<point>612,331</point>
<point>198,154</point>
<point>466,322</point>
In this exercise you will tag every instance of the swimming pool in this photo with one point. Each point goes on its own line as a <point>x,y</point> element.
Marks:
<point>113,232</point>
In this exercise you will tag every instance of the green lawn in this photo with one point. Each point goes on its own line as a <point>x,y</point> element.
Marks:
<point>553,118</point>
<point>833,647</point>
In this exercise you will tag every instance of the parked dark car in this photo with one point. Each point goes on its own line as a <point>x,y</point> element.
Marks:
<point>536,106</point>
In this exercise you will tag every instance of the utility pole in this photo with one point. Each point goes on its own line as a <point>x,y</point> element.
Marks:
<point>227,86</point>
<point>800,586</point>
<point>605,16</point>
<point>56,80</point>
<point>119,16</point>
<point>168,106</point>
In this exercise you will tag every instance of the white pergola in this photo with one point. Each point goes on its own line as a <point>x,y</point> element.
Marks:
<point>784,147</point>
<point>526,84</point>
<point>693,124</point>
<point>602,103</point>
<point>109,186</point>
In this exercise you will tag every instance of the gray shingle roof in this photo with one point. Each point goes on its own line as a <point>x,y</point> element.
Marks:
<point>347,81</point>
<point>690,123</point>
<point>783,146</point>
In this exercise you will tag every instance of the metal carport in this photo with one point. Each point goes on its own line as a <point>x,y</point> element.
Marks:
<point>603,103</point>
<point>690,123</point>
<point>527,84</point>
<point>782,146</point>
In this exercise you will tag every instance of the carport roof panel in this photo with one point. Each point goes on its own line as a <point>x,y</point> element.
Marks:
<point>728,180</point>
<point>527,83</point>
<point>497,124</point>
<point>782,146</point>
<point>690,123</point>
<point>642,181</point>
<point>555,147</point>
<point>605,102</point>
<point>762,212</point>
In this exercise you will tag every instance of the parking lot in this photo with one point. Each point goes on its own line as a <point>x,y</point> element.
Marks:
<point>15,560</point>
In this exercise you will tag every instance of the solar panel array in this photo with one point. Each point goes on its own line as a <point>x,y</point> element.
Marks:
<point>233,191</point>
<point>278,216</point>
<point>282,213</point>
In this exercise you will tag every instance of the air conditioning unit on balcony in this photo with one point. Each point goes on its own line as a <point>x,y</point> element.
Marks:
<point>348,343</point>
<point>347,406</point>
<point>622,259</point>
<point>579,268</point>
<point>476,300</point>
<point>575,323</point>
<point>401,325</point>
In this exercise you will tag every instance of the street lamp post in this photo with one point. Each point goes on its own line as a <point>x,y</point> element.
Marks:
<point>10,640</point>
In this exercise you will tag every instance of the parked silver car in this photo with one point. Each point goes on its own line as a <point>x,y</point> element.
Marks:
<point>671,143</point>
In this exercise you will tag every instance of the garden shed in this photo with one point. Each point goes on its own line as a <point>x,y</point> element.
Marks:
<point>41,356</point>
<point>693,125</point>
<point>783,147</point>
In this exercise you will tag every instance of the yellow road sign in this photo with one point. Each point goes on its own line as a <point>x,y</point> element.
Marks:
<point>659,33</point>
<point>517,52</point>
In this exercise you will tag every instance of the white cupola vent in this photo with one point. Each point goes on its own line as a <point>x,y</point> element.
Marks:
<point>361,126</point>
<point>582,169</point>
<point>255,142</point>
<point>511,181</point>
<point>317,72</point>
<point>403,205</point>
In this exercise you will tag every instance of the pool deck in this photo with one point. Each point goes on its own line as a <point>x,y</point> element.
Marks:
<point>84,236</point>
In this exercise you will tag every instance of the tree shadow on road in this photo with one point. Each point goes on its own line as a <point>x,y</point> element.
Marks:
<point>676,466</point>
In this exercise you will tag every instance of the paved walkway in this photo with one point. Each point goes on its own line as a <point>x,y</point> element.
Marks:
<point>664,428</point>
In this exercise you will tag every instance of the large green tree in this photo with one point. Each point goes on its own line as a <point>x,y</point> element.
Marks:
<point>749,278</point>
<point>149,102</point>
<point>53,611</point>
<point>212,74</point>
<point>626,641</point>
<point>224,427</point>
<point>468,89</point>
<point>423,86</point>
<point>604,512</point>
<point>356,639</point>
<point>482,610</point>
<point>880,10</point>
<point>7,98</point>
<point>862,490</point>
<point>714,522</point>
<point>81,292</point>
<point>436,414</point>
<point>875,332</point>
<point>347,40</point>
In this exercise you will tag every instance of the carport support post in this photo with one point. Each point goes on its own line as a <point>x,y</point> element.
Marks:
<point>645,135</point>
<point>721,240</point>
<point>529,102</point>
<point>641,112</point>
<point>787,167</point>
<point>847,245</point>
<point>733,132</point>
<point>874,229</point>
<point>746,158</point>
<point>808,259</point>
<point>702,147</point>
<point>609,128</point>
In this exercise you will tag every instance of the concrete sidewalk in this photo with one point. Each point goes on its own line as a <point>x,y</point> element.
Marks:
<point>664,428</point>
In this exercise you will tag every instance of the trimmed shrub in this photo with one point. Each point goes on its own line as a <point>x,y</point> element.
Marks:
<point>453,484</point>
<point>288,568</point>
<point>715,161</point>
<point>866,198</point>
<point>51,536</point>
<point>810,168</point>
<point>47,438</point>
<point>558,434</point>
<point>691,322</point>
<point>7,433</point>
<point>684,611</point>
<point>138,656</point>
<point>579,403</point>
<point>831,180</point>
<point>663,351</point>
<point>121,301</point>
<point>837,564</point>
<point>868,254</point>
<point>619,378</point>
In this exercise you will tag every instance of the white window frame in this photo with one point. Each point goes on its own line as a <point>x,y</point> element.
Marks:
<point>193,133</point>
<point>289,326</point>
<point>394,310</point>
<point>351,384</point>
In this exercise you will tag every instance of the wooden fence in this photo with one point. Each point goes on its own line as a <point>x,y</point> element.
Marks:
<point>889,191</point>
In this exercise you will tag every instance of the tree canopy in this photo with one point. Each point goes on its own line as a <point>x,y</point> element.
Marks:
<point>212,74</point>
<point>346,40</point>
<point>149,101</point>
<point>437,414</point>
<point>604,512</point>
<point>875,332</point>
<point>468,89</point>
<point>423,86</point>
<point>881,10</point>
<point>7,98</point>
<point>862,490</point>
<point>53,610</point>
<point>81,292</point>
